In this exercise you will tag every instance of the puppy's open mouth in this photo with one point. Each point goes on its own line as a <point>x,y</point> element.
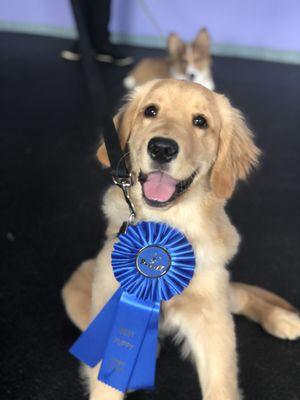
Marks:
<point>160,189</point>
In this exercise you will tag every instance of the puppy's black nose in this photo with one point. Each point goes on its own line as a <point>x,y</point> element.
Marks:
<point>191,76</point>
<point>162,150</point>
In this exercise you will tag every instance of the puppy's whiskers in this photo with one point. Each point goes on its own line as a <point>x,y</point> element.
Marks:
<point>194,171</point>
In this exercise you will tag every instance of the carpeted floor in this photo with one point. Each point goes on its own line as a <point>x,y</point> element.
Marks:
<point>50,193</point>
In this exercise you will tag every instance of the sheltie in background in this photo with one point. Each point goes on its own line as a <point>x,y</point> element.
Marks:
<point>187,61</point>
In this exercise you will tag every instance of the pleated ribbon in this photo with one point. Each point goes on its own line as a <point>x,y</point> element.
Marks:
<point>152,262</point>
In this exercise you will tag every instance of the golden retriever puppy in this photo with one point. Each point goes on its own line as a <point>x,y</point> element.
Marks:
<point>187,148</point>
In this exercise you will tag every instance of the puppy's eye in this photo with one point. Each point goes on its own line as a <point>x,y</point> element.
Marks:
<point>200,122</point>
<point>151,111</point>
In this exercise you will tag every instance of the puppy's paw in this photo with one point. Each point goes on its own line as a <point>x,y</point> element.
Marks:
<point>283,324</point>
<point>104,392</point>
<point>222,394</point>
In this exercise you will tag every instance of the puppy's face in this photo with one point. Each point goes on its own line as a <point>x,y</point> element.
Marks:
<point>173,139</point>
<point>180,135</point>
<point>191,61</point>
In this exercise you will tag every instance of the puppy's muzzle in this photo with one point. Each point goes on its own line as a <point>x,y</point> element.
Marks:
<point>162,150</point>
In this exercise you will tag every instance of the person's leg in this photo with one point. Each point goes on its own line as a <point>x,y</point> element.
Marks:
<point>97,15</point>
<point>73,52</point>
<point>100,36</point>
<point>98,21</point>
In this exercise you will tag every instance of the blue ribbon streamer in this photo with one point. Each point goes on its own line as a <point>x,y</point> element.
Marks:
<point>118,336</point>
<point>124,334</point>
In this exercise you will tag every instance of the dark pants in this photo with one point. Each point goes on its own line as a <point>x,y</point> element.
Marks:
<point>96,14</point>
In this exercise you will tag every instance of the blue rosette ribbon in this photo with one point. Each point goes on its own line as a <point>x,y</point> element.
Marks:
<point>152,262</point>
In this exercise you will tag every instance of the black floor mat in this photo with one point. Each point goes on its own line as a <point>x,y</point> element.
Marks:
<point>50,199</point>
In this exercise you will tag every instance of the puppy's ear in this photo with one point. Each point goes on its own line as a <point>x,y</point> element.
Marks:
<point>176,46</point>
<point>202,41</point>
<point>103,156</point>
<point>124,120</point>
<point>237,153</point>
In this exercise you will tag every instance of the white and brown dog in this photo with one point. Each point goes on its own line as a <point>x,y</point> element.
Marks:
<point>187,148</point>
<point>190,62</point>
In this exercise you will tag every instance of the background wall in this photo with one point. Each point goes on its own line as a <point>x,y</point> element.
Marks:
<point>265,29</point>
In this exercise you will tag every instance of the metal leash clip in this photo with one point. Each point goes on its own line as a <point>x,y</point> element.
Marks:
<point>125,184</point>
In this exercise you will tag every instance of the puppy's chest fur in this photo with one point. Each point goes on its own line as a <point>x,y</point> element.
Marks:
<point>205,224</point>
<point>214,240</point>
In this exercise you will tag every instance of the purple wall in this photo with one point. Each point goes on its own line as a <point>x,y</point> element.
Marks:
<point>271,24</point>
<point>39,12</point>
<point>261,23</point>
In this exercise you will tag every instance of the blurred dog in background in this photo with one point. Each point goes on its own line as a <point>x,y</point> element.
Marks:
<point>187,61</point>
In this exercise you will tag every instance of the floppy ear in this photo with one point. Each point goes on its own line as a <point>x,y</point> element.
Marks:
<point>123,123</point>
<point>103,156</point>
<point>202,41</point>
<point>175,45</point>
<point>125,118</point>
<point>237,153</point>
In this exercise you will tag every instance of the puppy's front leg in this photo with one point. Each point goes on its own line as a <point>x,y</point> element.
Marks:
<point>103,287</point>
<point>99,390</point>
<point>212,341</point>
<point>207,326</point>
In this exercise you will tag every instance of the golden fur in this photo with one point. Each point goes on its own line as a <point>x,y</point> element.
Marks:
<point>222,154</point>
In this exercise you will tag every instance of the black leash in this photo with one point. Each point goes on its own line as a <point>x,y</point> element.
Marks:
<point>96,89</point>
<point>104,123</point>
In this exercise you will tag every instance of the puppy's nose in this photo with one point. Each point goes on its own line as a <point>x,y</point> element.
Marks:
<point>162,150</point>
<point>191,76</point>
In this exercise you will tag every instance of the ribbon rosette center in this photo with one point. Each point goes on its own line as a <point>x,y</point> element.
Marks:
<point>152,262</point>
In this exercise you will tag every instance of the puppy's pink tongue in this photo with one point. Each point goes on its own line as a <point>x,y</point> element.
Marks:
<point>159,187</point>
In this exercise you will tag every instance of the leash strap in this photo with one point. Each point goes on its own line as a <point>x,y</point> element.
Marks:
<point>120,174</point>
<point>101,113</point>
